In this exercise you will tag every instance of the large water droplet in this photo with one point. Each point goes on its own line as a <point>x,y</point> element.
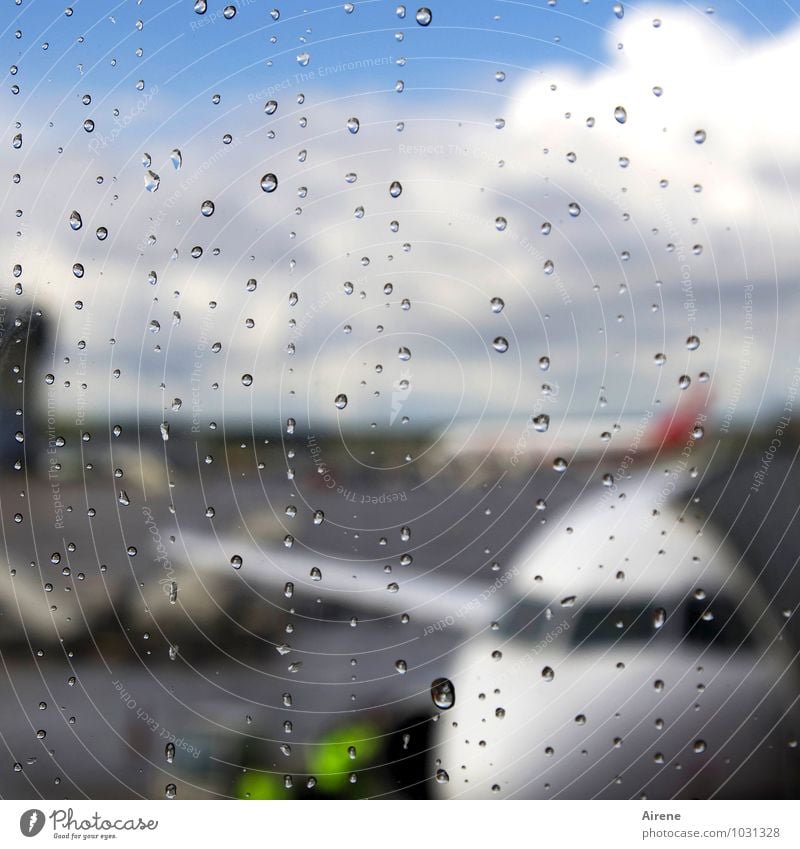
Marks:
<point>443,693</point>
<point>541,422</point>
<point>620,114</point>
<point>340,401</point>
<point>424,16</point>
<point>75,220</point>
<point>395,189</point>
<point>151,181</point>
<point>269,182</point>
<point>500,344</point>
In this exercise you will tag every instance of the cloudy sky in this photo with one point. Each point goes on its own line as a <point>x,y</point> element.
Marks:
<point>620,183</point>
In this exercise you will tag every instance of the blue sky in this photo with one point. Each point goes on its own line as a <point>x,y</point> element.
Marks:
<point>195,50</point>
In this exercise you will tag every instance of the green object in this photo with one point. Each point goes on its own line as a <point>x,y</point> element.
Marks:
<point>259,785</point>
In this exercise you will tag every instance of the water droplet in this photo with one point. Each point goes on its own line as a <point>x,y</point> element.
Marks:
<point>659,617</point>
<point>169,752</point>
<point>620,114</point>
<point>693,343</point>
<point>659,359</point>
<point>151,181</point>
<point>200,7</point>
<point>699,746</point>
<point>684,381</point>
<point>699,136</point>
<point>171,791</point>
<point>353,124</point>
<point>229,12</point>
<point>424,16</point>
<point>247,380</point>
<point>443,693</point>
<point>77,270</point>
<point>574,209</point>
<point>548,674</point>
<point>559,464</point>
<point>441,775</point>
<point>401,666</point>
<point>303,59</point>
<point>497,305</point>
<point>75,220</point>
<point>395,189</point>
<point>207,208</point>
<point>269,182</point>
<point>236,561</point>
<point>176,158</point>
<point>500,344</point>
<point>619,10</point>
<point>403,354</point>
<point>340,401</point>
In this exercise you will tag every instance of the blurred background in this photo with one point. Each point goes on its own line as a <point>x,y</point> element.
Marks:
<point>399,401</point>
